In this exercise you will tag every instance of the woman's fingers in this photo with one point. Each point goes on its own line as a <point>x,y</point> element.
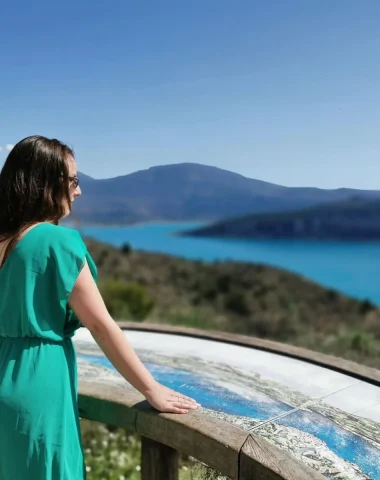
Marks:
<point>180,395</point>
<point>175,402</point>
<point>188,399</point>
<point>165,399</point>
<point>183,404</point>
<point>183,398</point>
<point>177,410</point>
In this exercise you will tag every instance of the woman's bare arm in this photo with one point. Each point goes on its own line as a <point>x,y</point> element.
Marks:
<point>87,303</point>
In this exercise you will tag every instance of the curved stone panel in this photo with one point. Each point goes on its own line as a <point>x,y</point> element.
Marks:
<point>328,420</point>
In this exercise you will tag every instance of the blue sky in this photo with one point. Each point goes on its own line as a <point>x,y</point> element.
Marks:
<point>286,91</point>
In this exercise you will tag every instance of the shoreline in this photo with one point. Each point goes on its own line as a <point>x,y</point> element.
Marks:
<point>132,224</point>
<point>270,239</point>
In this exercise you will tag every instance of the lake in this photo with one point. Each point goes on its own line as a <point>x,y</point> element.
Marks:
<point>352,268</point>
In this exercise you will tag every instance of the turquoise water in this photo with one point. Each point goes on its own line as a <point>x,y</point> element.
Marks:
<point>353,268</point>
<point>345,444</point>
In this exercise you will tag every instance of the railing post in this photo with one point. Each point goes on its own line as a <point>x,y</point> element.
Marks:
<point>158,461</point>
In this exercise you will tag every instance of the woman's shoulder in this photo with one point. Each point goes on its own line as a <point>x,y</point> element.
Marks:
<point>49,231</point>
<point>50,237</point>
<point>48,247</point>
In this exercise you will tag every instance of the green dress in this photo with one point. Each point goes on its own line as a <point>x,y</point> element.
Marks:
<point>39,422</point>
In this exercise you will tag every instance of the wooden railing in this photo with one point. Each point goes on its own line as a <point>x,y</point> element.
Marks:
<point>222,446</point>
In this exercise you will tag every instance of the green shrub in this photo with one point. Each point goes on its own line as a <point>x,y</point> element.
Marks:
<point>126,248</point>
<point>260,328</point>
<point>366,306</point>
<point>129,300</point>
<point>260,290</point>
<point>223,283</point>
<point>102,257</point>
<point>359,343</point>
<point>237,302</point>
<point>210,292</point>
<point>331,295</point>
<point>363,342</point>
<point>194,320</point>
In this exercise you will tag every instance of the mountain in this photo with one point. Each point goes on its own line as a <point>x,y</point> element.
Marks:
<point>353,219</point>
<point>191,192</point>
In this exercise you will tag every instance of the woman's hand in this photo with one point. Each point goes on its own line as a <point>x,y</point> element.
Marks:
<point>166,400</point>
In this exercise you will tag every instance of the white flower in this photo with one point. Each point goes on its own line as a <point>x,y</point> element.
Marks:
<point>122,459</point>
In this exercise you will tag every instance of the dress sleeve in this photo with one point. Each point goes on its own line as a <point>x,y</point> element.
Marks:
<point>68,256</point>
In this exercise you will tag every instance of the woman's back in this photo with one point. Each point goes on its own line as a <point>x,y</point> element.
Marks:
<point>37,356</point>
<point>36,280</point>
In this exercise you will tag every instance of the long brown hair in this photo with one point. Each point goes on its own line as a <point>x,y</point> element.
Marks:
<point>34,185</point>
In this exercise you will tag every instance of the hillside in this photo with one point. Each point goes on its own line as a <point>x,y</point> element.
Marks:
<point>194,192</point>
<point>349,220</point>
<point>236,297</point>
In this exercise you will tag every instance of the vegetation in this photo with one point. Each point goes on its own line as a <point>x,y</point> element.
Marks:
<point>243,298</point>
<point>126,300</point>
<point>235,297</point>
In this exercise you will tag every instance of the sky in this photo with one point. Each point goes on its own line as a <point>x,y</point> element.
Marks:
<point>286,91</point>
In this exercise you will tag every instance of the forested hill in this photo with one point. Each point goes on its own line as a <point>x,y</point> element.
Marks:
<point>355,219</point>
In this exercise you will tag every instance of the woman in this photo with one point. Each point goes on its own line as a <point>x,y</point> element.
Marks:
<point>48,289</point>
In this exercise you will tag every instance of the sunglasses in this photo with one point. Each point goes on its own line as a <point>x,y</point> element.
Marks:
<point>75,181</point>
